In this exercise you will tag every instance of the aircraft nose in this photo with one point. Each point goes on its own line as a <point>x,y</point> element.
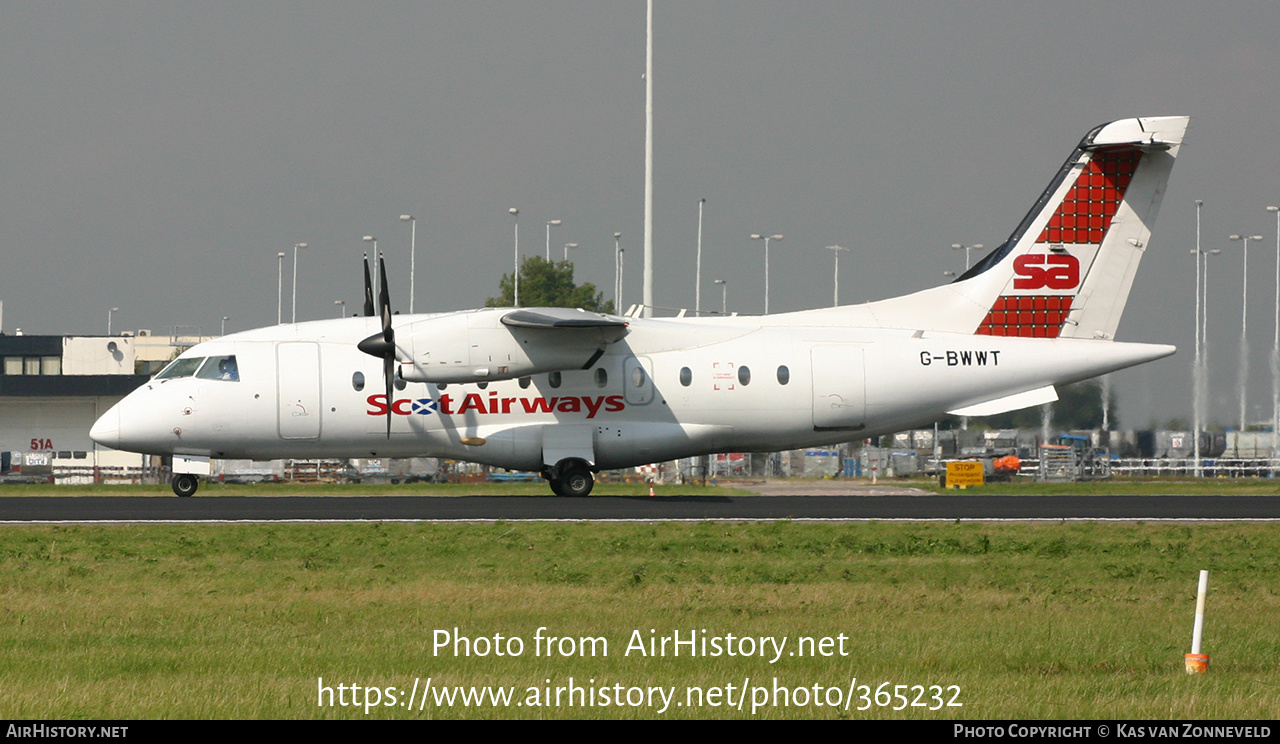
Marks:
<point>106,430</point>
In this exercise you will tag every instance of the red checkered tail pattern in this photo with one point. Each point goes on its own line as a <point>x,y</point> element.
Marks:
<point>1068,268</point>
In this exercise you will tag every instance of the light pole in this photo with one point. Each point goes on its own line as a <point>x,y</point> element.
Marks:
<point>224,325</point>
<point>1197,369</point>
<point>109,314</point>
<point>1243,380</point>
<point>515,274</point>
<point>1204,333</point>
<point>567,246</point>
<point>294,317</point>
<point>1275,349</point>
<point>697,278</point>
<point>766,239</point>
<point>549,224</point>
<point>279,287</point>
<point>343,305</point>
<point>724,296</point>
<point>413,240</point>
<point>617,272</point>
<point>835,296</point>
<point>966,248</point>
<point>374,241</point>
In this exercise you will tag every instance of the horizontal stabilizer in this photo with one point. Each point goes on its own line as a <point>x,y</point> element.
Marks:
<point>1039,396</point>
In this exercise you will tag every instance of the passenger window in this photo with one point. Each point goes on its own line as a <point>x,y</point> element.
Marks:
<point>553,379</point>
<point>220,368</point>
<point>686,376</point>
<point>744,376</point>
<point>637,376</point>
<point>602,377</point>
<point>784,375</point>
<point>180,368</point>
<point>482,385</point>
<point>524,382</point>
<point>357,381</point>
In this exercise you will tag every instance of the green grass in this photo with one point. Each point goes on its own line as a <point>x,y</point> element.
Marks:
<point>1078,620</point>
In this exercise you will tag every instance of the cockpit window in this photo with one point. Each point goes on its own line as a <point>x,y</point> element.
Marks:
<point>220,368</point>
<point>180,368</point>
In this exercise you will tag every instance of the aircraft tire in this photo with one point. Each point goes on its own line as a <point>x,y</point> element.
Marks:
<point>185,484</point>
<point>577,482</point>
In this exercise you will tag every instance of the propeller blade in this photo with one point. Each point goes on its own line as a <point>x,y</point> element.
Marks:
<point>368,289</point>
<point>384,301</point>
<point>381,344</point>
<point>388,371</point>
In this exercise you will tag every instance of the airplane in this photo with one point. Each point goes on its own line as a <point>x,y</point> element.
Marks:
<point>568,393</point>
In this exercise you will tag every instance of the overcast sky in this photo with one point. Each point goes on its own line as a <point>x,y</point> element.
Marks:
<point>158,155</point>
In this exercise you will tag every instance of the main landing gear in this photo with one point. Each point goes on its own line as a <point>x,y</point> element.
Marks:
<point>185,484</point>
<point>570,478</point>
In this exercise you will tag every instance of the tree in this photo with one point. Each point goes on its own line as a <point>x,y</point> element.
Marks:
<point>549,284</point>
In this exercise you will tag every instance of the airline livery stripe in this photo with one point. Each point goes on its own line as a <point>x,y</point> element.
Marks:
<point>1028,316</point>
<point>1087,209</point>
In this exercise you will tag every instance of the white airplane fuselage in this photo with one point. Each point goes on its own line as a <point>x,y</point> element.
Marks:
<point>567,392</point>
<point>671,388</point>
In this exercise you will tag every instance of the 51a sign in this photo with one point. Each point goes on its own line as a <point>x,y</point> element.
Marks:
<point>41,444</point>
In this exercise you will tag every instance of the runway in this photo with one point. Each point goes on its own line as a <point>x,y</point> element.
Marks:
<point>923,507</point>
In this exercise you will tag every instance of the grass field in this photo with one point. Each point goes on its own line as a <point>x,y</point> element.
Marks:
<point>1077,620</point>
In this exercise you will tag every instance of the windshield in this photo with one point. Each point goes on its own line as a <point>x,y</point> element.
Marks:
<point>220,368</point>
<point>180,368</point>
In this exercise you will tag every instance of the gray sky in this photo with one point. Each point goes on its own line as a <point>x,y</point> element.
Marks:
<point>157,155</point>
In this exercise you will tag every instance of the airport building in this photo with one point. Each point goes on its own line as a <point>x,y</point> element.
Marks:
<point>52,389</point>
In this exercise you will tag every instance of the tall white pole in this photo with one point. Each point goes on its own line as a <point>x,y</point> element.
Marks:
<point>766,239</point>
<point>1243,379</point>
<point>967,249</point>
<point>1244,326</point>
<point>648,168</point>
<point>1275,349</point>
<point>515,273</point>
<point>617,272</point>
<point>697,292</point>
<point>549,224</point>
<point>1197,630</point>
<point>294,317</point>
<point>835,294</point>
<point>279,287</point>
<point>1197,387</point>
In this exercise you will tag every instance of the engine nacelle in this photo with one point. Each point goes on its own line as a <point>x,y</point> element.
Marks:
<point>503,344</point>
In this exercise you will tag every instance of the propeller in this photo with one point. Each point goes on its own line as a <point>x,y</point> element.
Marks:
<point>368,289</point>
<point>381,344</point>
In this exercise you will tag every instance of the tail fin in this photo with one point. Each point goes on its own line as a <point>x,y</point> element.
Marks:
<point>1068,267</point>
